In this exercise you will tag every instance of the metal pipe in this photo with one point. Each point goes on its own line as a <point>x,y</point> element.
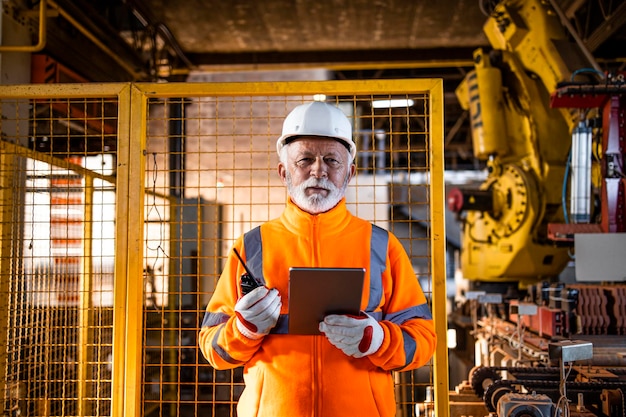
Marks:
<point>340,66</point>
<point>42,34</point>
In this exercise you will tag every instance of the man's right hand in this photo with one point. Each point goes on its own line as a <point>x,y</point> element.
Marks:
<point>257,312</point>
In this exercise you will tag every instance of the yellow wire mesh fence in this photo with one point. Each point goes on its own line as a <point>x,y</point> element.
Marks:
<point>119,204</point>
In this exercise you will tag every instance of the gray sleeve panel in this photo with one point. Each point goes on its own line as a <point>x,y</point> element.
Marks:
<point>254,253</point>
<point>378,261</point>
<point>220,351</point>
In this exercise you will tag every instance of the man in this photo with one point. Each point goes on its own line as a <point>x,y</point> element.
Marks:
<point>346,370</point>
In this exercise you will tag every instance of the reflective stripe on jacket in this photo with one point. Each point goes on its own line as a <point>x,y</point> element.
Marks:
<point>305,375</point>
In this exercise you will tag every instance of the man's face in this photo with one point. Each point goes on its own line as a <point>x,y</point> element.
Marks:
<point>316,172</point>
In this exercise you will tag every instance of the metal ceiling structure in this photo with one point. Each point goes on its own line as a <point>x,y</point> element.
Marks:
<point>150,40</point>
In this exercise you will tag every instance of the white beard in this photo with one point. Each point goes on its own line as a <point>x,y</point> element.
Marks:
<point>316,203</point>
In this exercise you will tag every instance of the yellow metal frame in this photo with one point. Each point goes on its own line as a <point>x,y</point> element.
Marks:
<point>130,185</point>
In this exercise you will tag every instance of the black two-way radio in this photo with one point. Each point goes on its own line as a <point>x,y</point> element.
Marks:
<point>248,281</point>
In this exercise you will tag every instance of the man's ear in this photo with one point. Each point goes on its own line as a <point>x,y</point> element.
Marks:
<point>352,171</point>
<point>282,172</point>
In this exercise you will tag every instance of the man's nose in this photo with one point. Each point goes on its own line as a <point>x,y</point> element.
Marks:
<point>319,169</point>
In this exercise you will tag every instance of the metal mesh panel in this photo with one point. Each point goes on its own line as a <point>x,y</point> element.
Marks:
<point>216,158</point>
<point>117,215</point>
<point>58,199</point>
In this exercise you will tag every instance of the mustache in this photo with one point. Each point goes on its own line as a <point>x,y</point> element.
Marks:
<point>318,183</point>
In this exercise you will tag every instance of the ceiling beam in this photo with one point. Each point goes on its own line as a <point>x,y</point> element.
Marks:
<point>339,60</point>
<point>608,28</point>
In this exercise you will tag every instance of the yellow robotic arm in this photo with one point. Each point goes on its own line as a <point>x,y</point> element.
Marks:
<point>524,141</point>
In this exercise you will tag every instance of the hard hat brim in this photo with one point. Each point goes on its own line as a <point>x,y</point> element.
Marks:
<point>287,139</point>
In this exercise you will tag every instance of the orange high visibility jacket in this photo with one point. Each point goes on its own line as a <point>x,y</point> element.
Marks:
<point>297,376</point>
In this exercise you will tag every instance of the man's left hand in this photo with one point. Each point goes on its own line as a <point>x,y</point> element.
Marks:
<point>356,336</point>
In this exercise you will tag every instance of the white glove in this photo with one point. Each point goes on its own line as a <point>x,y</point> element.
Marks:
<point>355,336</point>
<point>257,312</point>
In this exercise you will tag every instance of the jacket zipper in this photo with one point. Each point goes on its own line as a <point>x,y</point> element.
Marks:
<point>317,394</point>
<point>315,242</point>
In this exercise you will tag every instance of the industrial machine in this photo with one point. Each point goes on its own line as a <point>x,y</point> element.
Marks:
<point>551,128</point>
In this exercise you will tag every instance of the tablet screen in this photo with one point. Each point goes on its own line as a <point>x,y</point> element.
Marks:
<point>316,292</point>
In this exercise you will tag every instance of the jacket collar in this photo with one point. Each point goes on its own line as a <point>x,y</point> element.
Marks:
<point>301,222</point>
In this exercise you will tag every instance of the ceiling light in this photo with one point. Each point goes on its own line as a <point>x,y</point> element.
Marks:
<point>385,104</point>
<point>319,97</point>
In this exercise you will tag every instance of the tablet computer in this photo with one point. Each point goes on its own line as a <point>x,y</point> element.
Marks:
<point>316,292</point>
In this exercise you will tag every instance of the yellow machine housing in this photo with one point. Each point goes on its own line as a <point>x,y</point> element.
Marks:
<point>525,142</point>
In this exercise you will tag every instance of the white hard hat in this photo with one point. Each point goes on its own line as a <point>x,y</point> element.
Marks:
<point>317,119</point>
